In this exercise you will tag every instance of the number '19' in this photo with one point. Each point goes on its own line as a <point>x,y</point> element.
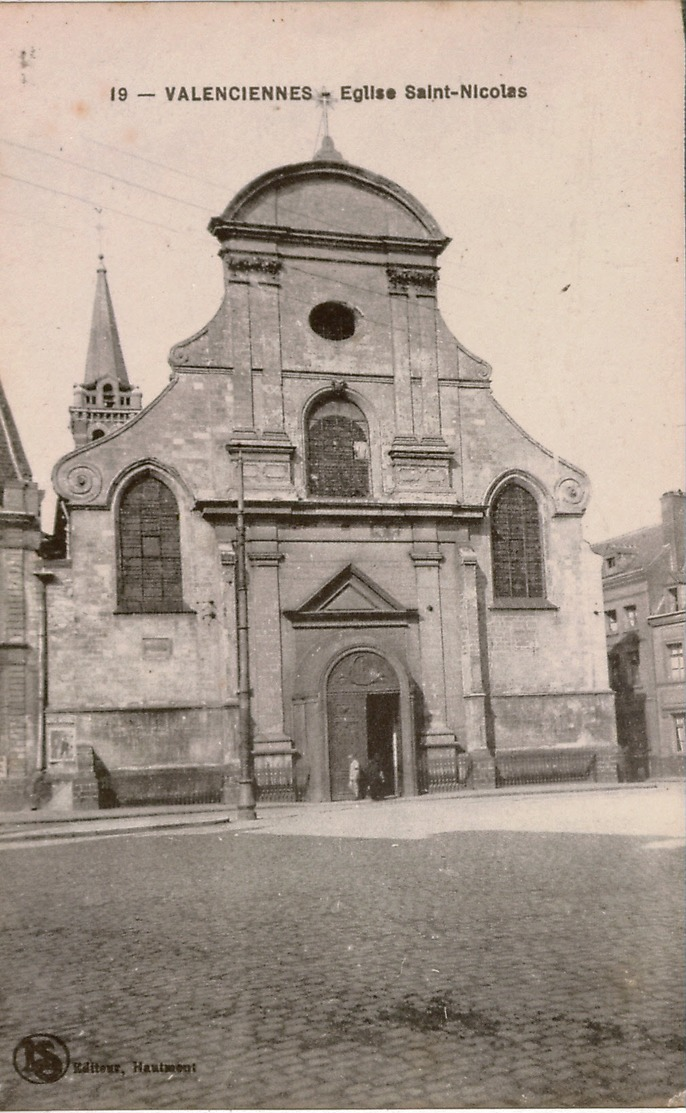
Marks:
<point>118,94</point>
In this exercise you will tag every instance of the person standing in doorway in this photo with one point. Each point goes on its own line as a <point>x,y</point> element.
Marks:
<point>354,775</point>
<point>375,779</point>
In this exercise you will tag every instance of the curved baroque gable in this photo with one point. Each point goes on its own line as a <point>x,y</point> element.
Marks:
<point>331,197</point>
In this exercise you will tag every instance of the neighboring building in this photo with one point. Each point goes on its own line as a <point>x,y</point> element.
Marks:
<point>643,591</point>
<point>419,589</point>
<point>105,399</point>
<point>21,612</point>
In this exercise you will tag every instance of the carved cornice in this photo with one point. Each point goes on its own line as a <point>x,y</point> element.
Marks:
<point>254,264</point>
<point>402,279</point>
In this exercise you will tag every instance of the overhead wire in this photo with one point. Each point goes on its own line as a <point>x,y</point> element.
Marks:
<point>153,162</point>
<point>102,173</point>
<point>203,181</point>
<point>283,208</point>
<point>95,204</point>
<point>368,290</point>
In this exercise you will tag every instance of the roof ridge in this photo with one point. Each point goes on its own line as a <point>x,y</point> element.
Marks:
<point>630,533</point>
<point>11,449</point>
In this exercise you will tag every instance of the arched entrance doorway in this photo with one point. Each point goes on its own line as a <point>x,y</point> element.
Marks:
<point>363,720</point>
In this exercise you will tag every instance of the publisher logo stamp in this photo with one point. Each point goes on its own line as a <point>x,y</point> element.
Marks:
<point>41,1058</point>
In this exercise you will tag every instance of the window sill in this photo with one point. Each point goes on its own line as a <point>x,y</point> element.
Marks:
<point>522,604</point>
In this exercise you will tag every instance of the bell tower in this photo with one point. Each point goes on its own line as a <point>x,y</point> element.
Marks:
<point>105,399</point>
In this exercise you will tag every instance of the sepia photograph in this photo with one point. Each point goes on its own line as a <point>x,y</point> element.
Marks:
<point>342,575</point>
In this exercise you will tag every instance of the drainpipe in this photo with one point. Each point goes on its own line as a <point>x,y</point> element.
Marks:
<point>246,787</point>
<point>42,755</point>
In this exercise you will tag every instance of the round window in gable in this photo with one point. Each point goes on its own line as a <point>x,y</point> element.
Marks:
<point>332,320</point>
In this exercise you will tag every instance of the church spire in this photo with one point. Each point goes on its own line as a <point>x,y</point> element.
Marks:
<point>105,398</point>
<point>105,359</point>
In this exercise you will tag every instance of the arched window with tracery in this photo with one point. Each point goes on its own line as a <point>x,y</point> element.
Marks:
<point>149,548</point>
<point>516,544</point>
<point>337,450</point>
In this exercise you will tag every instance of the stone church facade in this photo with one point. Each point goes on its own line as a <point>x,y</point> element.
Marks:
<point>419,589</point>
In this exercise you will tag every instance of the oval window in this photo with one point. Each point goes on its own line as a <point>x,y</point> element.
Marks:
<point>333,321</point>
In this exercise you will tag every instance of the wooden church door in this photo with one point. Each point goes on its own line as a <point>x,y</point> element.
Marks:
<point>363,698</point>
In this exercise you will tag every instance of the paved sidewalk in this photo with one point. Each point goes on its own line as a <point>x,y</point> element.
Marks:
<point>661,812</point>
<point>66,827</point>
<point>656,810</point>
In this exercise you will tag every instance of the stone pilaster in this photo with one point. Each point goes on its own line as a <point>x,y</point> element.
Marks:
<point>239,308</point>
<point>273,753</point>
<point>417,286</point>
<point>431,417</point>
<point>472,674</point>
<point>404,420</point>
<point>265,638</point>
<point>265,335</point>
<point>422,461</point>
<point>253,285</point>
<point>427,562</point>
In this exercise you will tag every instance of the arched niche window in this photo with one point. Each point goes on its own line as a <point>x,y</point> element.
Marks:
<point>516,544</point>
<point>149,548</point>
<point>108,396</point>
<point>337,450</point>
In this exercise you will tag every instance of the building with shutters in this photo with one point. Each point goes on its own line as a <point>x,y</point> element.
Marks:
<point>644,592</point>
<point>420,592</point>
<point>21,619</point>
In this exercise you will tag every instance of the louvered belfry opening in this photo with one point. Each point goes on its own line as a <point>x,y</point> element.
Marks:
<point>516,545</point>
<point>338,450</point>
<point>149,548</point>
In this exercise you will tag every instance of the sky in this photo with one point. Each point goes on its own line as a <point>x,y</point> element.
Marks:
<point>564,206</point>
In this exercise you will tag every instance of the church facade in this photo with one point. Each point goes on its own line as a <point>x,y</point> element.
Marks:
<point>420,593</point>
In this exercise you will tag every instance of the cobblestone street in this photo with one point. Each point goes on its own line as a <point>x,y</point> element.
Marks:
<point>478,967</point>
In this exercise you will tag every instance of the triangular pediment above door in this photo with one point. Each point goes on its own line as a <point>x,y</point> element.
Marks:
<point>350,598</point>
